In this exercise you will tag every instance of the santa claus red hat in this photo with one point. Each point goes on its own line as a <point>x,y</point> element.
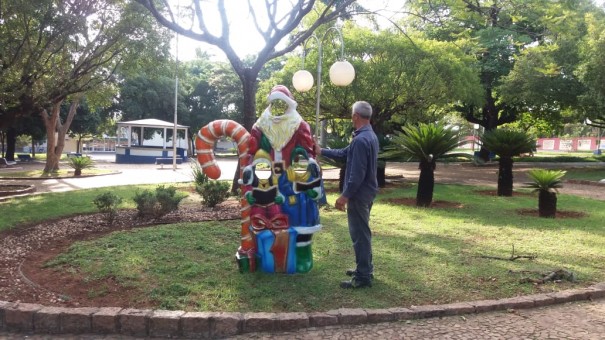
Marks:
<point>283,89</point>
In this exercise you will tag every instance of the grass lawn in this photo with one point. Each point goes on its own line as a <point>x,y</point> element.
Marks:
<point>421,256</point>
<point>586,174</point>
<point>36,208</point>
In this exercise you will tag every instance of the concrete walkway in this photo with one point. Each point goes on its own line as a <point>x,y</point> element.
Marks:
<point>577,320</point>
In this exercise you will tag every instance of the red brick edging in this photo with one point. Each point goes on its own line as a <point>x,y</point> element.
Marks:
<point>33,318</point>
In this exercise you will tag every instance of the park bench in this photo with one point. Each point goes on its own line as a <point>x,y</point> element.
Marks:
<point>24,158</point>
<point>161,161</point>
<point>74,154</point>
<point>6,164</point>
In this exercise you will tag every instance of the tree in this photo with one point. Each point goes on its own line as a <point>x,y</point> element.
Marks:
<point>56,51</point>
<point>497,32</point>
<point>426,143</point>
<point>276,28</point>
<point>591,70</point>
<point>507,144</point>
<point>406,78</point>
<point>546,183</point>
<point>84,124</point>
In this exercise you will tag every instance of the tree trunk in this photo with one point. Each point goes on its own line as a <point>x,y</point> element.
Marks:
<point>505,176</point>
<point>56,143</point>
<point>547,204</point>
<point>2,143</point>
<point>341,178</point>
<point>426,184</point>
<point>490,119</point>
<point>248,79</point>
<point>381,175</point>
<point>11,142</point>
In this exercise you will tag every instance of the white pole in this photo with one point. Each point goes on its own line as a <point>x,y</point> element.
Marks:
<point>318,131</point>
<point>176,96</point>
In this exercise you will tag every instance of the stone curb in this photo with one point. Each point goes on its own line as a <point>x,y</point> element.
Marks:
<point>33,318</point>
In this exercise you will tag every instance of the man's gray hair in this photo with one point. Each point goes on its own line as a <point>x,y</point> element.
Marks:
<point>363,109</point>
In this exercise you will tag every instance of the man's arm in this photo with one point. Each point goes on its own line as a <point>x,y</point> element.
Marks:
<point>336,154</point>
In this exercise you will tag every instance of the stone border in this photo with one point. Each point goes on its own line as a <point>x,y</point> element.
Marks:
<point>26,189</point>
<point>33,318</point>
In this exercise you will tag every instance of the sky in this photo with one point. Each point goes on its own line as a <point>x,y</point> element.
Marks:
<point>245,39</point>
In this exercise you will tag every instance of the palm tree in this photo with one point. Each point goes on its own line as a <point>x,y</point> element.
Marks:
<point>426,143</point>
<point>79,163</point>
<point>546,183</point>
<point>507,144</point>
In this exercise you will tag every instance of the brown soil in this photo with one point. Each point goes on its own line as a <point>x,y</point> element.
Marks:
<point>558,214</point>
<point>438,204</point>
<point>495,193</point>
<point>24,251</point>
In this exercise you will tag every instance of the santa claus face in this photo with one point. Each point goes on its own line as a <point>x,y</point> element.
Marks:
<point>278,107</point>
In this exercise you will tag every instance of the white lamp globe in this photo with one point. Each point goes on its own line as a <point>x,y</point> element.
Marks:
<point>342,73</point>
<point>302,80</point>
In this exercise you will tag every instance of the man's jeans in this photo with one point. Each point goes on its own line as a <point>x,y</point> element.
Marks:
<point>358,214</point>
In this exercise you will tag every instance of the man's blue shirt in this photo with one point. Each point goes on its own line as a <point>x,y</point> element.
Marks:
<point>362,160</point>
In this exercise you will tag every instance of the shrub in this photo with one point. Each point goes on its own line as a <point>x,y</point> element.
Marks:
<point>146,203</point>
<point>213,192</point>
<point>546,183</point>
<point>79,163</point>
<point>108,203</point>
<point>168,199</point>
<point>199,177</point>
<point>158,204</point>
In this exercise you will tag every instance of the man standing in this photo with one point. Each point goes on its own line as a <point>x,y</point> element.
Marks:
<point>360,188</point>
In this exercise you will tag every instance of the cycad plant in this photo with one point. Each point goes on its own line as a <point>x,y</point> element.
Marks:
<point>79,163</point>
<point>546,183</point>
<point>426,143</point>
<point>507,144</point>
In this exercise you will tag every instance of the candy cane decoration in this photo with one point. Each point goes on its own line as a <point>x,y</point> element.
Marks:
<point>204,146</point>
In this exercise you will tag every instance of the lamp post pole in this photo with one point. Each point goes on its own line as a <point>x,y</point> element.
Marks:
<point>342,73</point>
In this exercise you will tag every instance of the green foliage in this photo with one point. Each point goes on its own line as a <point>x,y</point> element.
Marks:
<point>79,163</point>
<point>545,180</point>
<point>199,177</point>
<point>213,192</point>
<point>427,142</point>
<point>108,203</point>
<point>508,143</point>
<point>168,199</point>
<point>159,203</point>
<point>146,203</point>
<point>406,78</point>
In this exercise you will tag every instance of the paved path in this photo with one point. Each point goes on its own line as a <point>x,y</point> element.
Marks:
<point>462,173</point>
<point>580,320</point>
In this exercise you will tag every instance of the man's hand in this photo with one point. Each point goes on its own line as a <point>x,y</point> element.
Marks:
<point>317,149</point>
<point>341,203</point>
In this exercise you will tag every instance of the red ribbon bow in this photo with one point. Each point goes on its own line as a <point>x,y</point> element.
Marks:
<point>260,222</point>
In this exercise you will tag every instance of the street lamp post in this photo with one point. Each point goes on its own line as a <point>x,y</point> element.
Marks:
<point>342,73</point>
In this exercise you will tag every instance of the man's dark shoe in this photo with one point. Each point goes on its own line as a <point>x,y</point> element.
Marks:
<point>355,283</point>
<point>352,272</point>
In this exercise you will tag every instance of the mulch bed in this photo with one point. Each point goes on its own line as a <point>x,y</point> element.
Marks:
<point>24,250</point>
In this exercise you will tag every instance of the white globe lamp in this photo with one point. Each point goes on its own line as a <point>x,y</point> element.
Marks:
<point>302,80</point>
<point>342,73</point>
